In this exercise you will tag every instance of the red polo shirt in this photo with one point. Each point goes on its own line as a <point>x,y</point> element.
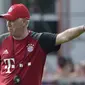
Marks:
<point>25,58</point>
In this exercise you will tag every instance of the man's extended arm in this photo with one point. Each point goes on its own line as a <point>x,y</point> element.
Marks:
<point>69,34</point>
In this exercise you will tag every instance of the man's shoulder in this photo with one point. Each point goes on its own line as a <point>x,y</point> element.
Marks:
<point>3,36</point>
<point>35,35</point>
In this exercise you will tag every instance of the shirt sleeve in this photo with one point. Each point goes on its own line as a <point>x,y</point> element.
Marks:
<point>0,57</point>
<point>47,42</point>
<point>2,37</point>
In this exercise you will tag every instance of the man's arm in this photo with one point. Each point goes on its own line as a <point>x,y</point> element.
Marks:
<point>69,34</point>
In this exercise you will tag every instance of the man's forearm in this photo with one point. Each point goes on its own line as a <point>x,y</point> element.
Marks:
<point>69,34</point>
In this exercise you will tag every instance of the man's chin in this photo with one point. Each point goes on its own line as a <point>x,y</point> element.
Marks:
<point>11,34</point>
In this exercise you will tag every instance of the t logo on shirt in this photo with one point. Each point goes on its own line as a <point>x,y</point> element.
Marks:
<point>9,64</point>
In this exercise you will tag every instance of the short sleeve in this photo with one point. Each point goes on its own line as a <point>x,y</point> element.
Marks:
<point>47,42</point>
<point>2,37</point>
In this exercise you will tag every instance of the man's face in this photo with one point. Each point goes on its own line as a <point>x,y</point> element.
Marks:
<point>15,27</point>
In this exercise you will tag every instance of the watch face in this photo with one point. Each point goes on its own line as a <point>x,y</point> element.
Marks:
<point>16,79</point>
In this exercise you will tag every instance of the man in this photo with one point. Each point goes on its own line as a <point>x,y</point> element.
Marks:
<point>23,52</point>
<point>66,67</point>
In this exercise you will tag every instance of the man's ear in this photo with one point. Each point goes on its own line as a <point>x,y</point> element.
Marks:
<point>25,21</point>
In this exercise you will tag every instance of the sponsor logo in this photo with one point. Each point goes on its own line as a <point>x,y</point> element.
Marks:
<point>10,64</point>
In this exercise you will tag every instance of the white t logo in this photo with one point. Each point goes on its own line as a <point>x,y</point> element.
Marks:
<point>9,65</point>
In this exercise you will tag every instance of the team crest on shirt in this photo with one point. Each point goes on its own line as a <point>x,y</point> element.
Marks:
<point>30,47</point>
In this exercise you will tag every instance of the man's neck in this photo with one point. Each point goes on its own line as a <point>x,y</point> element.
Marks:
<point>25,34</point>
